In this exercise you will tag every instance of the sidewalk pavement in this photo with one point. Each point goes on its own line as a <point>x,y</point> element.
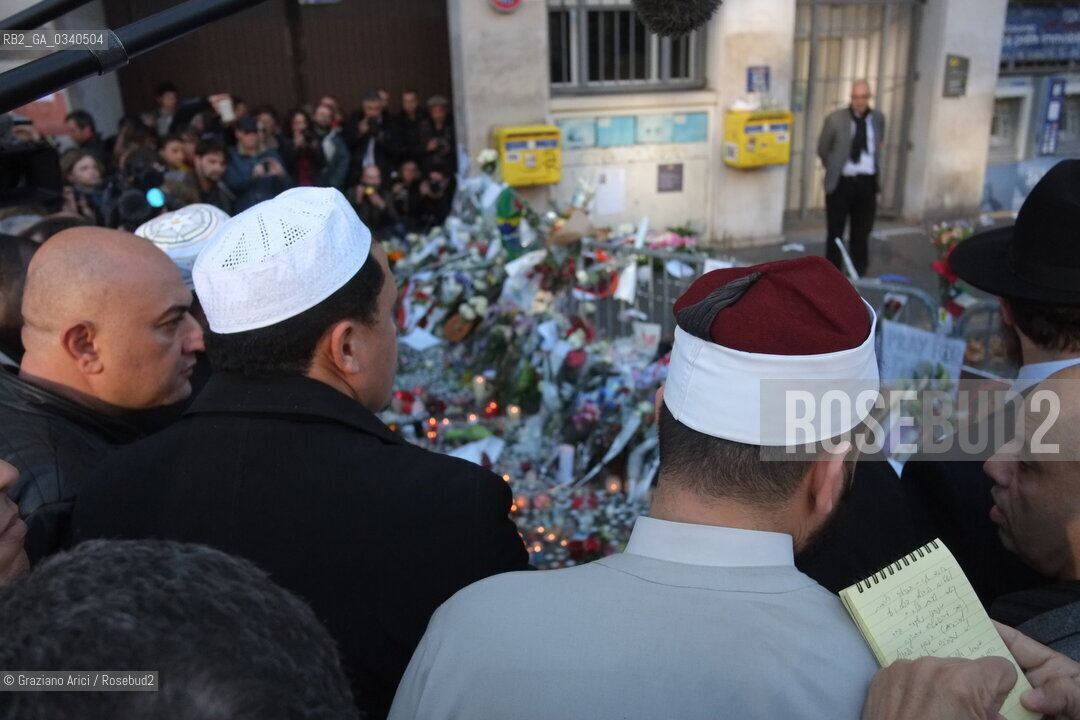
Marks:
<point>895,249</point>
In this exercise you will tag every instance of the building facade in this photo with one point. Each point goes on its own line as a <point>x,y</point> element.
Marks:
<point>1036,119</point>
<point>642,117</point>
<point>636,110</point>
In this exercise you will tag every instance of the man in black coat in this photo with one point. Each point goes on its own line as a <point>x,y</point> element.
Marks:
<point>282,460</point>
<point>108,335</point>
<point>1034,267</point>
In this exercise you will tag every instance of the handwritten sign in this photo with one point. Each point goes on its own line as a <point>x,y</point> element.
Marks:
<point>906,351</point>
<point>923,605</point>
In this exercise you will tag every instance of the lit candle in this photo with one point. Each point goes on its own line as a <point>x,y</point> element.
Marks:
<point>479,388</point>
<point>513,416</point>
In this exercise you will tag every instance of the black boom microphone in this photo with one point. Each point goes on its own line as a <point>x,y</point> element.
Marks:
<point>672,18</point>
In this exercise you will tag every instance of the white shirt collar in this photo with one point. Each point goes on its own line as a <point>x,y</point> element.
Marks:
<point>1035,373</point>
<point>709,545</point>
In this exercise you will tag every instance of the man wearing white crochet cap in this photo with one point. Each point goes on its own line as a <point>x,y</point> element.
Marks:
<point>704,615</point>
<point>282,460</point>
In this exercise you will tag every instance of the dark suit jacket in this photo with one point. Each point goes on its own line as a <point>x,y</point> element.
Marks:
<point>288,472</point>
<point>834,144</point>
<point>955,500</point>
<point>873,526</point>
<point>883,517</point>
<point>55,444</point>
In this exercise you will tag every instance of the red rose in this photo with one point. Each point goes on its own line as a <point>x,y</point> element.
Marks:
<point>941,267</point>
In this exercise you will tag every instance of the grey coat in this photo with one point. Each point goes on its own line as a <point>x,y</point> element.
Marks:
<point>834,144</point>
<point>630,637</point>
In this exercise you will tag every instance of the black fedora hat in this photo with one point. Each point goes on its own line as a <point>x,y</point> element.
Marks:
<point>1038,258</point>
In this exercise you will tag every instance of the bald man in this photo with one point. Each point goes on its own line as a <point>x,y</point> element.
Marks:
<point>850,146</point>
<point>107,332</point>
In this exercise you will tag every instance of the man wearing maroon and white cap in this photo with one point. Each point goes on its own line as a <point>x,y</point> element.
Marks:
<point>704,615</point>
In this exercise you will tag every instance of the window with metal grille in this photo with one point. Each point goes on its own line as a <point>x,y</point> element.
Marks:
<point>601,46</point>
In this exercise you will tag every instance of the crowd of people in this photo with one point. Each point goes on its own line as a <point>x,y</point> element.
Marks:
<point>396,168</point>
<point>195,479</point>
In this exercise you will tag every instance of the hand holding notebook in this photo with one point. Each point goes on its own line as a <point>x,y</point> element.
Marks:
<point>923,605</point>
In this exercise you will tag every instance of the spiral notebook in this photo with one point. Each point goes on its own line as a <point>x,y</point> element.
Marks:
<point>923,604</point>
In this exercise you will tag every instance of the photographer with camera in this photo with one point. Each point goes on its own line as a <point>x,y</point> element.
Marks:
<point>373,204</point>
<point>368,137</point>
<point>29,166</point>
<point>134,195</point>
<point>302,151</point>
<point>437,193</point>
<point>408,203</point>
<point>254,174</point>
<point>437,135</point>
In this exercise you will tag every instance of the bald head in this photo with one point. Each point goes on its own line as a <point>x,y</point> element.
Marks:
<point>102,304</point>
<point>860,96</point>
<point>81,273</point>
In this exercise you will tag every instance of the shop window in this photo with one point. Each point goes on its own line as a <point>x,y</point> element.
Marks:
<point>601,46</point>
<point>1005,129</point>
<point>1068,139</point>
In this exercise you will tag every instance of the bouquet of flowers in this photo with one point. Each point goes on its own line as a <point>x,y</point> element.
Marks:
<point>945,237</point>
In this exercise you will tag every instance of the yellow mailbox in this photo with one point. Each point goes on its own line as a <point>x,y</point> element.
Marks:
<point>530,154</point>
<point>753,138</point>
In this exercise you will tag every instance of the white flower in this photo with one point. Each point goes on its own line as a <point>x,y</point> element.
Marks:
<point>480,303</point>
<point>577,339</point>
<point>487,156</point>
<point>466,312</point>
<point>582,276</point>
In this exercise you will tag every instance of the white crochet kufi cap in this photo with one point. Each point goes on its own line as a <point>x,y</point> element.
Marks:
<point>280,258</point>
<point>183,233</point>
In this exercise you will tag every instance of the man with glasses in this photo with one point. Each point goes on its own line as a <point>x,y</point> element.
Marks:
<point>850,148</point>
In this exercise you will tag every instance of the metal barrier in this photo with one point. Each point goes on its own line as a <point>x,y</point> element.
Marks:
<point>900,302</point>
<point>992,350</point>
<point>655,294</point>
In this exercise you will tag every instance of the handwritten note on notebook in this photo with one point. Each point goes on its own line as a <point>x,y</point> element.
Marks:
<point>924,605</point>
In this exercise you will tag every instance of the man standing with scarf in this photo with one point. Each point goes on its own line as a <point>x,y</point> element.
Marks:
<point>850,147</point>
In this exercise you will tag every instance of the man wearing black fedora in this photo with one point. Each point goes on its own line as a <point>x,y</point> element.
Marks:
<point>1033,267</point>
<point>1029,266</point>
